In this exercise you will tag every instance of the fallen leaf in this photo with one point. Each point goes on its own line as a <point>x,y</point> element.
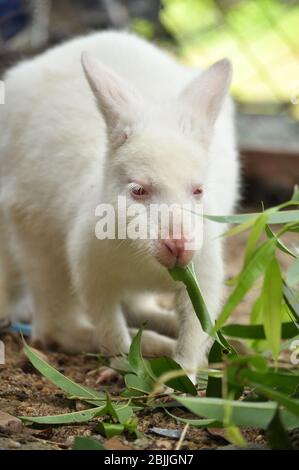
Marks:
<point>165,432</point>
<point>116,444</point>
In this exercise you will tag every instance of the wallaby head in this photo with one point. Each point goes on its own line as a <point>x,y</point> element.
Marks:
<point>158,154</point>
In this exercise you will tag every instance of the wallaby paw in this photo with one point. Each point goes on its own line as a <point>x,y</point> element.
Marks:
<point>107,376</point>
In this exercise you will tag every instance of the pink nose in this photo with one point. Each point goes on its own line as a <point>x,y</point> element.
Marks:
<point>177,249</point>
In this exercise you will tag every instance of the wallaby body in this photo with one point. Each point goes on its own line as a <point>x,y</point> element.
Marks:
<point>63,152</point>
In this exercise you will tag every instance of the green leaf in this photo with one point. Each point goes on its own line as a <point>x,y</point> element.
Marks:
<point>240,228</point>
<point>197,423</point>
<point>119,412</point>
<point>232,431</point>
<point>110,409</point>
<point>279,243</point>
<point>135,357</point>
<point>131,427</point>
<point>135,382</point>
<point>245,374</point>
<point>234,435</point>
<point>252,271</point>
<point>66,384</point>
<point>124,413</point>
<point>291,404</point>
<point>110,429</point>
<point>295,196</point>
<point>293,274</point>
<point>289,330</point>
<point>214,387</point>
<point>271,306</point>
<point>140,380</point>
<point>282,217</point>
<point>255,234</point>
<point>188,277</point>
<point>277,436</point>
<point>254,414</point>
<point>293,227</point>
<point>292,302</point>
<point>87,443</point>
<point>162,365</point>
<point>66,418</point>
<point>256,312</point>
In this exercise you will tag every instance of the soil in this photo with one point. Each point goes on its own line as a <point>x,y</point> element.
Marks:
<point>25,392</point>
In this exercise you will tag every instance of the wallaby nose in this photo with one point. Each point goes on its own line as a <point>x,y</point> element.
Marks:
<point>177,249</point>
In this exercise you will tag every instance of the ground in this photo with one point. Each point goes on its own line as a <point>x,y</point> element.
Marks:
<point>25,392</point>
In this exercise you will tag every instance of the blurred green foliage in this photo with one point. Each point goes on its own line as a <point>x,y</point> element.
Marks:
<point>259,36</point>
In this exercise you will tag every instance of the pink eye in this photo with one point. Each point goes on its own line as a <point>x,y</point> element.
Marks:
<point>138,191</point>
<point>197,192</point>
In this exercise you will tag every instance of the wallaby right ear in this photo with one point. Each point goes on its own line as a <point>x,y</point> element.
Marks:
<point>117,101</point>
<point>202,99</point>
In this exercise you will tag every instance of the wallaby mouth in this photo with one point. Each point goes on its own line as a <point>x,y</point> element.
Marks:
<point>174,252</point>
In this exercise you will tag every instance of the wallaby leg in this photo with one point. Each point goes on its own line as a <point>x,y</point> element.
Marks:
<point>154,344</point>
<point>14,301</point>
<point>55,322</point>
<point>143,309</point>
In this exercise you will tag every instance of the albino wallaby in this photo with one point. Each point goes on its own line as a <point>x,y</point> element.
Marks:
<point>126,120</point>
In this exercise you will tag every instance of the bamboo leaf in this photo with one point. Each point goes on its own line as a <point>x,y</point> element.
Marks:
<point>254,414</point>
<point>197,423</point>
<point>110,429</point>
<point>87,443</point>
<point>187,276</point>
<point>135,357</point>
<point>66,384</point>
<point>295,196</point>
<point>292,302</point>
<point>271,306</point>
<point>252,271</point>
<point>140,380</point>
<point>255,234</point>
<point>282,217</point>
<point>290,404</point>
<point>214,387</point>
<point>162,365</point>
<point>279,243</point>
<point>288,330</point>
<point>293,274</point>
<point>276,434</point>
<point>66,418</point>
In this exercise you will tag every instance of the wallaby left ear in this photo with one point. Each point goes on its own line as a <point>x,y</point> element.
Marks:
<point>204,96</point>
<point>118,102</point>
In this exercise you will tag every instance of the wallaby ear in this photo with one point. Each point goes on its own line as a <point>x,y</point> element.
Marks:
<point>117,101</point>
<point>203,97</point>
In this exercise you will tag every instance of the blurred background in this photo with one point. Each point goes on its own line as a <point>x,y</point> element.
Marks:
<point>260,37</point>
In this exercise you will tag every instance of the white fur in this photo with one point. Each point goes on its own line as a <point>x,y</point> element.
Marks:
<point>62,152</point>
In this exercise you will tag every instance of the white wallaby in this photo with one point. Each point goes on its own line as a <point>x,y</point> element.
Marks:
<point>125,120</point>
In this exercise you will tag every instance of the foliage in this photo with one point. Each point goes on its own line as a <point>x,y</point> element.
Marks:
<point>260,37</point>
<point>260,389</point>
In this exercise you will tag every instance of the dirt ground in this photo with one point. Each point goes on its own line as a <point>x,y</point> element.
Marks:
<point>23,391</point>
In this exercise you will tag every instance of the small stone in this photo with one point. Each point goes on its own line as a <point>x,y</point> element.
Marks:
<point>13,444</point>
<point>162,444</point>
<point>80,406</point>
<point>69,441</point>
<point>114,443</point>
<point>10,423</point>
